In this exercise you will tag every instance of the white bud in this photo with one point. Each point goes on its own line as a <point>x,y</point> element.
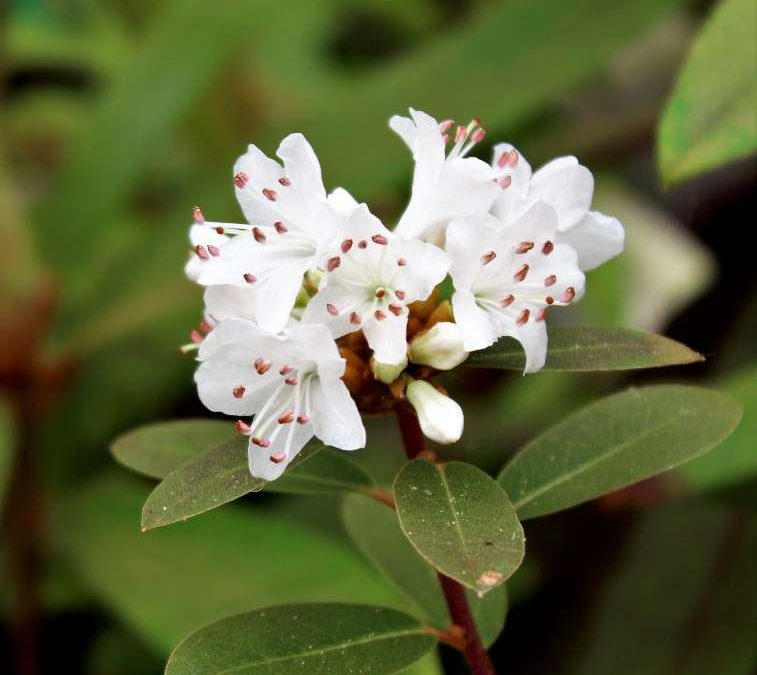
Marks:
<point>441,419</point>
<point>387,372</point>
<point>441,347</point>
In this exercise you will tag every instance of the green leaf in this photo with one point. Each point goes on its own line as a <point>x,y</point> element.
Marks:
<point>376,531</point>
<point>614,442</point>
<point>158,449</point>
<point>208,481</point>
<point>735,460</point>
<point>710,118</point>
<point>682,599</point>
<point>178,578</point>
<point>460,521</point>
<point>328,472</point>
<point>309,638</point>
<point>583,348</point>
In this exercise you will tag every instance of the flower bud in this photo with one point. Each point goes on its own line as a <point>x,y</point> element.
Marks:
<point>387,372</point>
<point>440,347</point>
<point>441,419</point>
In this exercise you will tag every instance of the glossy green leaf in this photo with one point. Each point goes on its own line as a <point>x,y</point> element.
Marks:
<point>166,583</point>
<point>158,449</point>
<point>614,442</point>
<point>376,531</point>
<point>208,481</point>
<point>710,118</point>
<point>460,521</point>
<point>734,461</point>
<point>328,472</point>
<point>306,638</point>
<point>682,599</point>
<point>586,348</point>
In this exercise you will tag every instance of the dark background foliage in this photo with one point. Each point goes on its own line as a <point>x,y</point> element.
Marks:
<point>117,117</point>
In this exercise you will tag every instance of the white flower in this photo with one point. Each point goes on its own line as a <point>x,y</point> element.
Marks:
<point>387,372</point>
<point>370,283</point>
<point>506,276</point>
<point>292,223</point>
<point>567,186</point>
<point>445,185</point>
<point>290,382</point>
<point>441,419</point>
<point>441,347</point>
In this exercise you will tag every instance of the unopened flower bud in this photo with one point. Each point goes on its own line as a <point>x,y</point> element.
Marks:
<point>440,347</point>
<point>387,372</point>
<point>441,419</point>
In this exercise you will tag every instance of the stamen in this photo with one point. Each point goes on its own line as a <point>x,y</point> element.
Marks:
<point>196,337</point>
<point>401,262</point>
<point>243,428</point>
<point>197,215</point>
<point>395,309</point>
<point>277,457</point>
<point>285,181</point>
<point>286,369</point>
<point>291,381</point>
<point>488,257</point>
<point>478,135</point>
<point>460,134</point>
<point>551,280</point>
<point>262,442</point>
<point>362,243</point>
<point>258,234</point>
<point>380,316</point>
<point>520,275</point>
<point>220,230</point>
<point>446,125</point>
<point>262,366</point>
<point>280,227</point>
<point>524,247</point>
<point>380,292</point>
<point>379,239</point>
<point>213,250</point>
<point>332,309</point>
<point>238,391</point>
<point>400,294</point>
<point>287,417</point>
<point>250,278</point>
<point>333,263</point>
<point>355,319</point>
<point>542,315</point>
<point>512,160</point>
<point>240,180</point>
<point>507,300</point>
<point>202,252</point>
<point>346,245</point>
<point>205,327</point>
<point>302,419</point>
<point>549,299</point>
<point>569,295</point>
<point>503,159</point>
<point>269,194</point>
<point>505,181</point>
<point>547,248</point>
<point>523,318</point>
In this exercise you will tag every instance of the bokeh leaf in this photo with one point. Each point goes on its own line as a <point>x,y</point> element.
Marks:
<point>735,460</point>
<point>7,442</point>
<point>176,579</point>
<point>313,638</point>
<point>460,521</point>
<point>710,118</point>
<point>684,592</point>
<point>156,450</point>
<point>614,442</point>
<point>586,348</point>
<point>376,531</point>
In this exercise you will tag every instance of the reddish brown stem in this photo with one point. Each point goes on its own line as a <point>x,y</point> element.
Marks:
<point>454,593</point>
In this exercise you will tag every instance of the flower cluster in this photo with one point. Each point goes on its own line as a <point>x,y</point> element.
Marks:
<point>314,310</point>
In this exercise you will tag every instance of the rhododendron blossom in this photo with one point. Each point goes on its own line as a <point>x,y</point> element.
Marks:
<point>315,311</point>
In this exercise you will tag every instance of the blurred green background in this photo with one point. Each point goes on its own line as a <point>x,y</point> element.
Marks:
<point>117,116</point>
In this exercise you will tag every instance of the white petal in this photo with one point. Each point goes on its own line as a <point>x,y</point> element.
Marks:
<point>513,199</point>
<point>404,127</point>
<point>533,337</point>
<point>387,337</point>
<point>426,266</point>
<point>333,297</point>
<point>301,165</point>
<point>342,202</point>
<point>467,239</point>
<point>336,419</point>
<point>567,186</point>
<point>290,441</point>
<point>440,418</point>
<point>276,294</point>
<point>225,302</point>
<point>477,328</point>
<point>596,239</point>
